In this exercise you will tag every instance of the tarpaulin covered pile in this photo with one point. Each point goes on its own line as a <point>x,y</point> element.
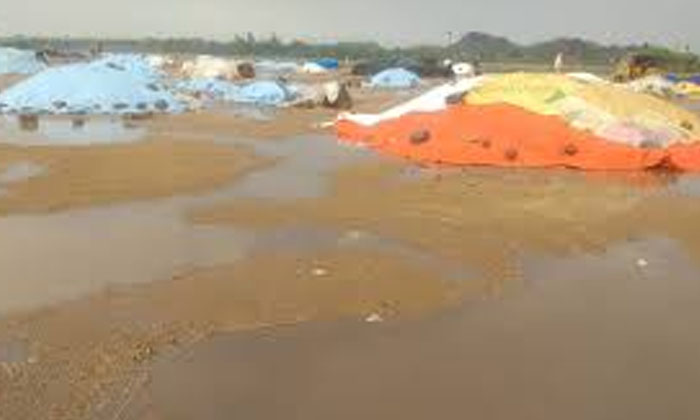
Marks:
<point>263,93</point>
<point>395,78</point>
<point>14,61</point>
<point>210,67</point>
<point>208,88</point>
<point>667,87</point>
<point>270,93</point>
<point>313,68</point>
<point>534,120</point>
<point>118,84</point>
<point>677,79</point>
<point>655,85</point>
<point>328,63</point>
<point>272,68</point>
<point>688,88</point>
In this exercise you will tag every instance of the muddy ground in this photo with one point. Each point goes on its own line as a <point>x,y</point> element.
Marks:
<point>227,264</point>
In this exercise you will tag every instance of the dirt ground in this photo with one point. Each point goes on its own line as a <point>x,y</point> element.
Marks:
<point>386,244</point>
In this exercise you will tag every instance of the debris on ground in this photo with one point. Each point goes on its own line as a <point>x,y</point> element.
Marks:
<point>642,263</point>
<point>374,319</point>
<point>534,120</point>
<point>319,272</point>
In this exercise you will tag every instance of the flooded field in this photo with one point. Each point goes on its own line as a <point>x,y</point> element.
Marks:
<point>214,269</point>
<point>78,131</point>
<point>592,336</point>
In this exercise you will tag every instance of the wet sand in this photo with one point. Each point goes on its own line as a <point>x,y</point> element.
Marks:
<point>223,274</point>
<point>80,359</point>
<point>483,216</point>
<point>88,176</point>
<point>590,337</point>
<point>88,249</point>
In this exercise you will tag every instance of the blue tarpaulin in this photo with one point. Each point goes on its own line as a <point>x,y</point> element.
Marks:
<point>395,78</point>
<point>328,63</point>
<point>677,79</point>
<point>263,93</point>
<point>274,68</point>
<point>672,77</point>
<point>112,85</point>
<point>209,88</point>
<point>256,93</point>
<point>14,61</point>
<point>137,65</point>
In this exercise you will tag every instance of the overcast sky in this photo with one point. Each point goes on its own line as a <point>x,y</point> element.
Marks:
<point>671,22</point>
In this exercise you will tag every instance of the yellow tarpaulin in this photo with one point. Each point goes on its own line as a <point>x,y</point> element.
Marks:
<point>614,112</point>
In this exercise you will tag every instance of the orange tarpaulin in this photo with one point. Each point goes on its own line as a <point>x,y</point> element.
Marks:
<point>507,135</point>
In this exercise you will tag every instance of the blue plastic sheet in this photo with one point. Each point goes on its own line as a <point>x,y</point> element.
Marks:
<point>14,61</point>
<point>270,93</point>
<point>213,89</point>
<point>395,78</point>
<point>263,93</point>
<point>111,85</point>
<point>677,79</point>
<point>328,63</point>
<point>276,68</point>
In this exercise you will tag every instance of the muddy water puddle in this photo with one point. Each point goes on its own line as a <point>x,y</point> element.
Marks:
<point>13,351</point>
<point>88,252</point>
<point>48,259</point>
<point>64,131</point>
<point>255,113</point>
<point>686,185</point>
<point>319,236</point>
<point>17,172</point>
<point>304,171</point>
<point>61,256</point>
<point>592,336</point>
